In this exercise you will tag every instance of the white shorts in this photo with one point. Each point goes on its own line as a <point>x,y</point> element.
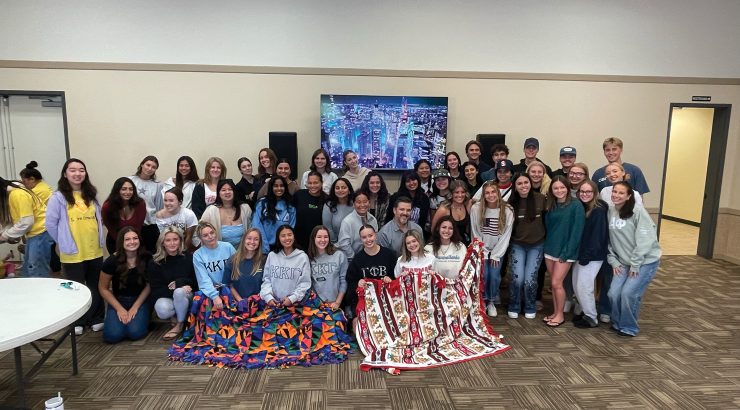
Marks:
<point>552,258</point>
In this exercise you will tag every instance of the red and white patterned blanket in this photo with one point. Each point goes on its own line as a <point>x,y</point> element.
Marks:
<point>422,320</point>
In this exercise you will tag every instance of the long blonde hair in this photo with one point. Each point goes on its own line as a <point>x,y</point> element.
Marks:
<point>546,181</point>
<point>240,255</point>
<point>161,253</point>
<point>500,204</point>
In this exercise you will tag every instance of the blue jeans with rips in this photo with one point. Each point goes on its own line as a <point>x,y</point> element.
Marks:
<point>525,262</point>
<point>491,280</point>
<point>38,256</point>
<point>625,295</point>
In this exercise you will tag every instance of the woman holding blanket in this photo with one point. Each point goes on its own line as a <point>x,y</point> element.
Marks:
<point>372,262</point>
<point>210,262</point>
<point>287,274</point>
<point>244,269</point>
<point>491,221</point>
<point>414,257</point>
<point>328,268</point>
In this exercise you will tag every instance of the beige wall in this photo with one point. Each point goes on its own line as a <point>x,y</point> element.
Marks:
<point>117,117</point>
<point>691,132</point>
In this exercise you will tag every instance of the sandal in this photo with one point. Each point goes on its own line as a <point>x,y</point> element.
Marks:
<point>555,324</point>
<point>173,334</point>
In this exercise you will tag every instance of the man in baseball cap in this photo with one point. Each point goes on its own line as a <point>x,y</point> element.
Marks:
<point>567,159</point>
<point>531,148</point>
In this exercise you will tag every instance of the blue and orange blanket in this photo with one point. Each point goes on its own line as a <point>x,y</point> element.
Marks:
<point>251,335</point>
<point>422,320</point>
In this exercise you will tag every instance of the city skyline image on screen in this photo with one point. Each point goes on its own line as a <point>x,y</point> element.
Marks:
<point>386,132</point>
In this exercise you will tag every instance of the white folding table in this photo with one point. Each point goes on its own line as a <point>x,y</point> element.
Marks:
<point>34,308</point>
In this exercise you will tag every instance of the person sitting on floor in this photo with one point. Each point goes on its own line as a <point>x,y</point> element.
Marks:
<point>128,306</point>
<point>172,279</point>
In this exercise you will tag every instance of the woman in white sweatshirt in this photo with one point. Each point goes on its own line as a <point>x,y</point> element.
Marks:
<point>490,222</point>
<point>414,258</point>
<point>287,272</point>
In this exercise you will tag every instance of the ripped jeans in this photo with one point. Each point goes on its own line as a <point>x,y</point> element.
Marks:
<point>525,261</point>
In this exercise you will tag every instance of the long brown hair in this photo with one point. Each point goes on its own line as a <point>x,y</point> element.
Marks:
<point>594,202</point>
<point>142,258</point>
<point>313,251</point>
<point>241,254</point>
<point>207,175</point>
<point>500,204</point>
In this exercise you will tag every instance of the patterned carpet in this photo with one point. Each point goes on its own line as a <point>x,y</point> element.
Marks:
<point>687,356</point>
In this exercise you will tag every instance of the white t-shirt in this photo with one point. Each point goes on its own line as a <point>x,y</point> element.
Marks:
<point>328,180</point>
<point>415,265</point>
<point>449,259</point>
<point>210,195</point>
<point>184,219</point>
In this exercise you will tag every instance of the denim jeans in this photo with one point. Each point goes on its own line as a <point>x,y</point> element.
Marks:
<point>625,295</point>
<point>115,331</point>
<point>38,255</point>
<point>491,280</point>
<point>606,273</point>
<point>525,263</point>
<point>177,306</point>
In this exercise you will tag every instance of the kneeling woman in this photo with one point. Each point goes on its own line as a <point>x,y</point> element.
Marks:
<point>414,257</point>
<point>172,279</point>
<point>128,308</point>
<point>287,275</point>
<point>328,268</point>
<point>210,262</point>
<point>634,254</point>
<point>244,269</point>
<point>371,262</point>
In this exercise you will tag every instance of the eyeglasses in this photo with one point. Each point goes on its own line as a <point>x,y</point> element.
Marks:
<point>576,174</point>
<point>585,192</point>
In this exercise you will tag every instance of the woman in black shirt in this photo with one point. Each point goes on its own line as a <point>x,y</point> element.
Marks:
<point>128,308</point>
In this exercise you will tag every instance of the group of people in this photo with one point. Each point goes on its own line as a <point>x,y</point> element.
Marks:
<point>271,236</point>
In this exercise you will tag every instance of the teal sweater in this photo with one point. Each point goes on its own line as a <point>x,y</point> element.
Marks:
<point>632,241</point>
<point>564,225</point>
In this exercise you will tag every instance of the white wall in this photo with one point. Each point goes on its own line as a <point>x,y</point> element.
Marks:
<point>652,38</point>
<point>115,118</point>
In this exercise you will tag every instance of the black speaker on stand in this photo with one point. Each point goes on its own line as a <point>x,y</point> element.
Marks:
<point>487,141</point>
<point>285,145</point>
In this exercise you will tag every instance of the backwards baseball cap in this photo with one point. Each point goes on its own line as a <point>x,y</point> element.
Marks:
<point>532,142</point>
<point>567,151</point>
<point>504,164</point>
<point>440,173</point>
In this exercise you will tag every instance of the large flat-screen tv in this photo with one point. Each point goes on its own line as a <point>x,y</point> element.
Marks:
<point>386,132</point>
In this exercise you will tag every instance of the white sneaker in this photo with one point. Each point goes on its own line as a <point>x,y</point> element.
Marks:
<point>97,327</point>
<point>513,315</point>
<point>567,305</point>
<point>491,310</point>
<point>530,315</point>
<point>604,318</point>
<point>79,330</point>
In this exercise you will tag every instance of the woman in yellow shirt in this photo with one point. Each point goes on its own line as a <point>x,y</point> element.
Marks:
<point>34,181</point>
<point>23,214</point>
<point>73,219</point>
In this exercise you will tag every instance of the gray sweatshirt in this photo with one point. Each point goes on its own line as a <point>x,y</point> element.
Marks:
<point>632,241</point>
<point>286,276</point>
<point>329,275</point>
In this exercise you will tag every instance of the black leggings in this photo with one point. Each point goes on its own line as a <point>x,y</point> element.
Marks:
<point>88,273</point>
